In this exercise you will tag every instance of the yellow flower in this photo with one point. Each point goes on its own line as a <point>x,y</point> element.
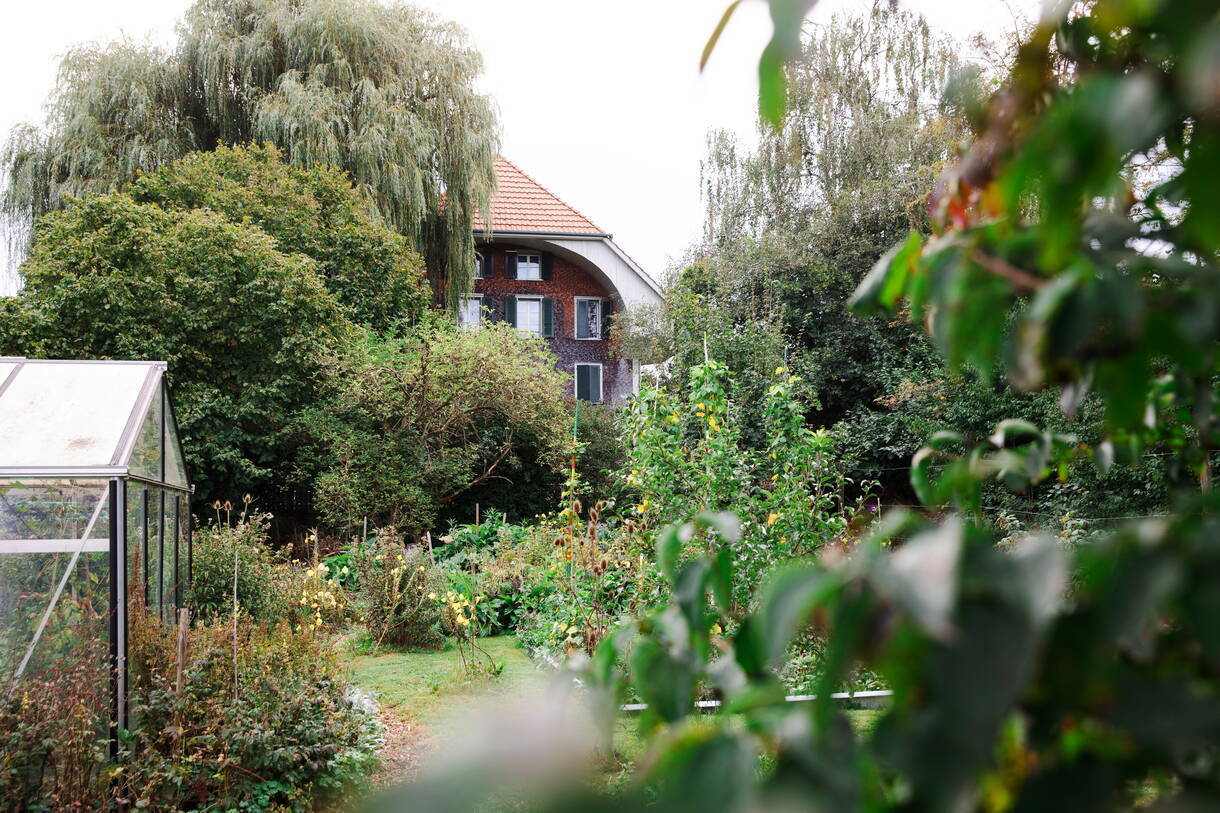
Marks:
<point>717,629</point>
<point>771,519</point>
<point>432,596</point>
<point>711,421</point>
<point>779,370</point>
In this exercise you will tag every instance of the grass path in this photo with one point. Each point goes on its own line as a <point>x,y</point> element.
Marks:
<point>422,692</point>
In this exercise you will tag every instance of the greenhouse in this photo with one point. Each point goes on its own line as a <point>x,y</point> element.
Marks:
<point>94,518</point>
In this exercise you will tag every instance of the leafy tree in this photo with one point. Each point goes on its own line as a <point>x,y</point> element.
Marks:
<point>240,323</point>
<point>796,223</point>
<point>368,267</point>
<point>412,422</point>
<point>384,92</point>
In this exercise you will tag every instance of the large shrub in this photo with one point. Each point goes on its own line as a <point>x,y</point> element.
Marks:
<point>367,266</point>
<point>413,422</point>
<point>241,323</point>
<point>236,558</point>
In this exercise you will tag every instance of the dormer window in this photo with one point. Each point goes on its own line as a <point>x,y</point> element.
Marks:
<point>529,266</point>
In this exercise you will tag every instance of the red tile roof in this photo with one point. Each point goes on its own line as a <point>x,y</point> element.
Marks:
<point>522,204</point>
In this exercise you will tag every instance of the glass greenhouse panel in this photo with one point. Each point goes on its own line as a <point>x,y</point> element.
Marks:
<point>67,414</point>
<point>137,548</point>
<point>54,574</point>
<point>152,534</point>
<point>175,467</point>
<point>146,454</point>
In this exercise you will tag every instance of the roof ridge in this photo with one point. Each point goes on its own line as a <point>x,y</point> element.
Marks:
<point>547,190</point>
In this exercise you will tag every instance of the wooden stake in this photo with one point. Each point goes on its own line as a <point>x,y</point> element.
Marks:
<point>184,621</point>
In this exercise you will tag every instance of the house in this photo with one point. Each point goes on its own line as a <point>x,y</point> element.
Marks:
<point>548,270</point>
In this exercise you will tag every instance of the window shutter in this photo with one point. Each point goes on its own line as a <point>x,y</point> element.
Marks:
<point>485,265</point>
<point>545,272</point>
<point>582,318</point>
<point>595,383</point>
<point>582,381</point>
<point>548,318</point>
<point>607,317</point>
<point>510,265</point>
<point>510,310</point>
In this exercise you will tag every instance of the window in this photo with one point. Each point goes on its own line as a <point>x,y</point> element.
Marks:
<point>470,311</point>
<point>588,318</point>
<point>480,271</point>
<point>529,315</point>
<point>589,382</point>
<point>529,266</point>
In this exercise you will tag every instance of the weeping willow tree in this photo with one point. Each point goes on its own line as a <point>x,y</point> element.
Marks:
<point>385,92</point>
<point>864,136</point>
<point>796,220</point>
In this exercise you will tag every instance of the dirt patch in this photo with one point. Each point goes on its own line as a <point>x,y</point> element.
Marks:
<point>406,743</point>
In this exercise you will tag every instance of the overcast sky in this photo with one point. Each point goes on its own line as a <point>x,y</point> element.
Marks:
<point>602,103</point>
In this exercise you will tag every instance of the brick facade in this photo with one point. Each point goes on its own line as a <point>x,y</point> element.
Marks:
<point>567,282</point>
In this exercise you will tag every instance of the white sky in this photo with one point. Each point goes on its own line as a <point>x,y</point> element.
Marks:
<point>602,103</point>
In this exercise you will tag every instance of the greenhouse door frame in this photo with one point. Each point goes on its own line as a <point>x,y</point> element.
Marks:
<point>117,493</point>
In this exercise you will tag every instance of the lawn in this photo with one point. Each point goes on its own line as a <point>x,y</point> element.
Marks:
<point>428,687</point>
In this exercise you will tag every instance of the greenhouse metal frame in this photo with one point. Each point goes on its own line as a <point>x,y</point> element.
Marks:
<point>94,515</point>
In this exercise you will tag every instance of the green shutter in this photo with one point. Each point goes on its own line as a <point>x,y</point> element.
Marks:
<point>582,381</point>
<point>510,265</point>
<point>548,317</point>
<point>582,318</point>
<point>510,310</point>
<point>589,382</point>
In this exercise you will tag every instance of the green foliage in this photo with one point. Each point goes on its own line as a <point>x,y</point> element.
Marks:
<point>240,323</point>
<point>688,455</point>
<point>383,92</point>
<point>222,553</point>
<point>396,595</point>
<point>280,730</point>
<point>1109,271</point>
<point>413,422</point>
<point>369,268</point>
<point>794,224</point>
